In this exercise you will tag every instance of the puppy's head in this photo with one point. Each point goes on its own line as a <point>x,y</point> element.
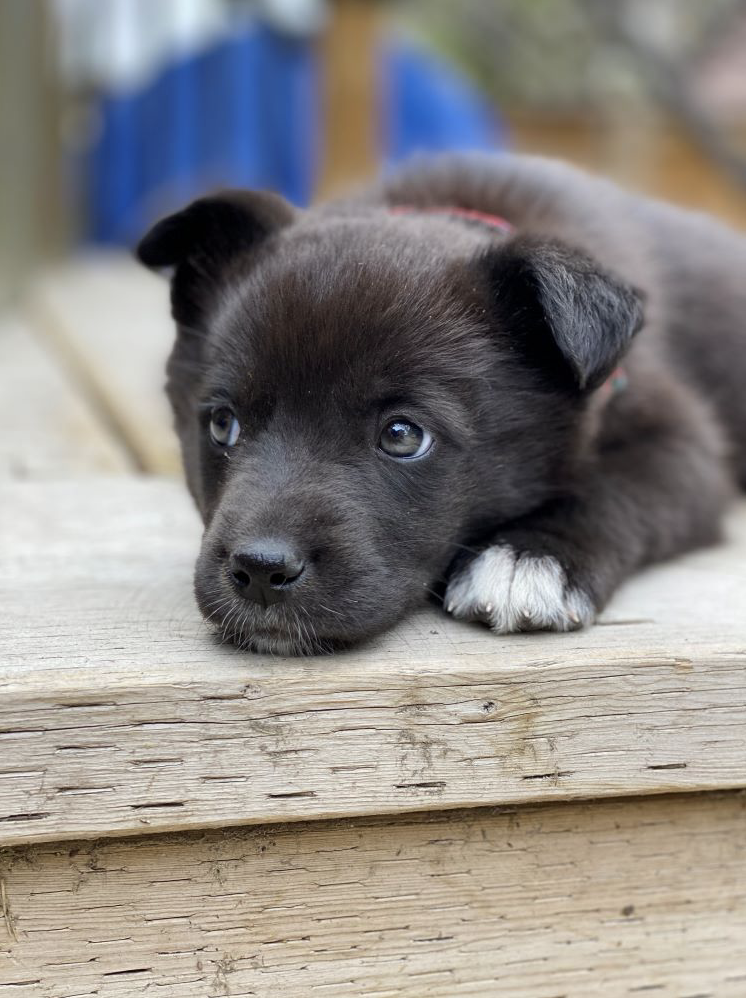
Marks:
<point>360,394</point>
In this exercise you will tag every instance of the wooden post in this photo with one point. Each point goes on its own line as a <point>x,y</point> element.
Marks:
<point>349,95</point>
<point>33,210</point>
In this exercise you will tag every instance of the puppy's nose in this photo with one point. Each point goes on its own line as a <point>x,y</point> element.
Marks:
<point>263,570</point>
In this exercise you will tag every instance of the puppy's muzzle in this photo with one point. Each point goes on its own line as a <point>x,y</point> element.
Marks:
<point>265,571</point>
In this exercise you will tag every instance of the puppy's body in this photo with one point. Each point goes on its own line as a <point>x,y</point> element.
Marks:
<point>324,335</point>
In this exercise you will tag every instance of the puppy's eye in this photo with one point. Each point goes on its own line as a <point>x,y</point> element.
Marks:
<point>224,427</point>
<point>404,440</point>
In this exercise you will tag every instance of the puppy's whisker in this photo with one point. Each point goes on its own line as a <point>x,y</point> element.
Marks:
<point>302,636</point>
<point>218,609</point>
<point>228,620</point>
<point>329,609</point>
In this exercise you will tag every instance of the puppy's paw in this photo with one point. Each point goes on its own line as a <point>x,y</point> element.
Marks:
<point>515,591</point>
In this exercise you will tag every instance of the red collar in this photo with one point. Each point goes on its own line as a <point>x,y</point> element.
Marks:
<point>616,382</point>
<point>469,214</point>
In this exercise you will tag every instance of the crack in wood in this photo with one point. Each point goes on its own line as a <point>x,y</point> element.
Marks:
<point>26,816</point>
<point>425,785</point>
<point>291,794</point>
<point>8,917</point>
<point>123,973</point>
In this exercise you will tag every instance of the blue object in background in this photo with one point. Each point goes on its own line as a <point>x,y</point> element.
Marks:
<point>242,113</point>
<point>246,113</point>
<point>427,106</point>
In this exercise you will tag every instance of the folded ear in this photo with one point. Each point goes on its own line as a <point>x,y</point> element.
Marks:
<point>201,241</point>
<point>563,308</point>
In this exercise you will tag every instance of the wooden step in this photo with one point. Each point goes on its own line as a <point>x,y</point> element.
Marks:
<point>611,898</point>
<point>119,714</point>
<point>49,427</point>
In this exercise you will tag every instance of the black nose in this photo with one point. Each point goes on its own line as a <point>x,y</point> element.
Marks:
<point>263,570</point>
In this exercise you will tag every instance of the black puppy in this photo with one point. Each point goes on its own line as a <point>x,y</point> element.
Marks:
<point>403,392</point>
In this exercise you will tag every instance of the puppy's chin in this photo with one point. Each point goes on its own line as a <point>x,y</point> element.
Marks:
<point>267,643</point>
<point>281,629</point>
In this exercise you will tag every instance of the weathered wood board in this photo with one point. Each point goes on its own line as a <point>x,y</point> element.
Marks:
<point>119,714</point>
<point>610,898</point>
<point>48,429</point>
<point>110,318</point>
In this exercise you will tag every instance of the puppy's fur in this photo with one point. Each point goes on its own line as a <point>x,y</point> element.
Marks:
<point>544,487</point>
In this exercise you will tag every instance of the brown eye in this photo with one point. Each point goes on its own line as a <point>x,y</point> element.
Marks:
<point>405,440</point>
<point>224,427</point>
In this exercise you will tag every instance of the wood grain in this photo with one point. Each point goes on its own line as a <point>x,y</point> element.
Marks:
<point>48,429</point>
<point>561,901</point>
<point>119,714</point>
<point>110,319</point>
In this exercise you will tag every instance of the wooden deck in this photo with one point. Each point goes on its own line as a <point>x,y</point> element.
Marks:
<point>441,812</point>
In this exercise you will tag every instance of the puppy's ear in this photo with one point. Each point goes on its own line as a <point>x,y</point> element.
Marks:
<point>568,313</point>
<point>201,241</point>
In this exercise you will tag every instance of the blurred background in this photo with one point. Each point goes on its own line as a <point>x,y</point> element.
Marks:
<point>113,112</point>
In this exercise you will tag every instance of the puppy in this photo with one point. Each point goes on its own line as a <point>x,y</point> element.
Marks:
<point>495,379</point>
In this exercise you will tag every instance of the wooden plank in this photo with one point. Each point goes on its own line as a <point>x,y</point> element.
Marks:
<point>47,427</point>
<point>110,319</point>
<point>118,713</point>
<point>572,901</point>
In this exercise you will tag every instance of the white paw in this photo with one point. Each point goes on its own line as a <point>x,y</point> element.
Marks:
<point>517,592</point>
